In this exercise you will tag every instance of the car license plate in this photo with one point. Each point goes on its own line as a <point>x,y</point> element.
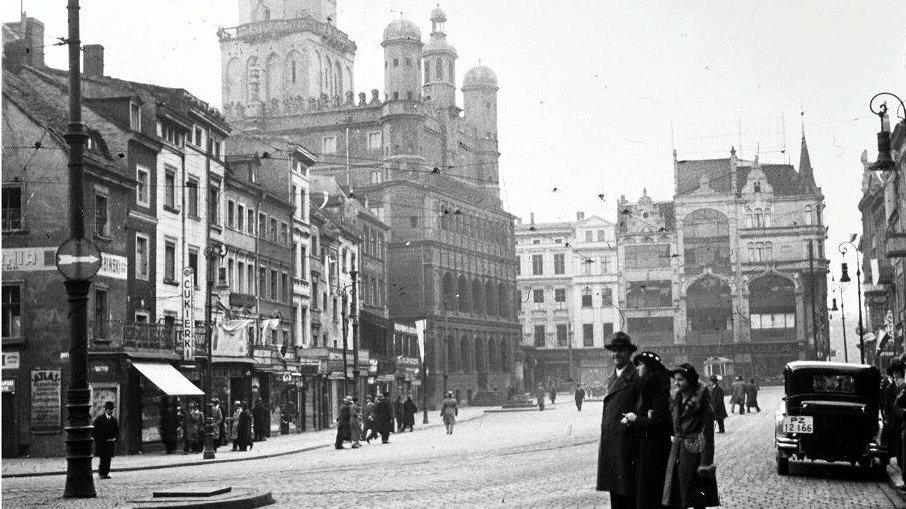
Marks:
<point>798,424</point>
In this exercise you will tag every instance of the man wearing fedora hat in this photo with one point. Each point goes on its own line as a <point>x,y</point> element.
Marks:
<point>106,432</point>
<point>616,453</point>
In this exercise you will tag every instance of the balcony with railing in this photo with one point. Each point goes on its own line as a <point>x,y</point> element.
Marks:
<point>160,339</point>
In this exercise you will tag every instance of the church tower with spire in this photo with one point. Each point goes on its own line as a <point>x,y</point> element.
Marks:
<point>806,174</point>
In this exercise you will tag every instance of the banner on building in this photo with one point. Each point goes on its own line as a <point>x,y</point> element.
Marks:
<point>420,331</point>
<point>230,338</point>
<point>188,314</point>
<point>270,325</point>
<point>46,401</point>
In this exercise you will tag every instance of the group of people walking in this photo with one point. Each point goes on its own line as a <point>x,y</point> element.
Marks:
<point>240,427</point>
<point>745,395</point>
<point>638,463</point>
<point>356,423</point>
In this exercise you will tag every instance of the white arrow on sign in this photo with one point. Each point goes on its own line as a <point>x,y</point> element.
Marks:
<point>69,259</point>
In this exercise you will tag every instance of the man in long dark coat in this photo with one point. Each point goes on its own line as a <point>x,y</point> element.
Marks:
<point>580,397</point>
<point>343,430</point>
<point>383,417</point>
<point>260,415</point>
<point>106,433</point>
<point>617,454</point>
<point>717,402</point>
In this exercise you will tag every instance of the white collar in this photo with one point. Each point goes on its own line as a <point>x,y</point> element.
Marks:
<point>621,370</point>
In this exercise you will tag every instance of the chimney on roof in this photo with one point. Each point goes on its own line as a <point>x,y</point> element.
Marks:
<point>580,216</point>
<point>532,218</point>
<point>93,63</point>
<point>15,55</point>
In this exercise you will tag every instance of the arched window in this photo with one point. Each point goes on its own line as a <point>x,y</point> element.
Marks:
<point>809,215</point>
<point>749,222</point>
<point>427,73</point>
<point>759,219</point>
<point>767,217</point>
<point>450,72</point>
<point>439,70</point>
<point>768,251</point>
<point>751,248</point>
<point>293,70</point>
<point>759,251</point>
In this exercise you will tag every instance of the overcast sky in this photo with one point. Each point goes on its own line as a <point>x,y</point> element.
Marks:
<point>589,89</point>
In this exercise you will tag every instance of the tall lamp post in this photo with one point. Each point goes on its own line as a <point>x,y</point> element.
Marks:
<point>839,289</point>
<point>210,254</point>
<point>354,317</point>
<point>79,482</point>
<point>844,278</point>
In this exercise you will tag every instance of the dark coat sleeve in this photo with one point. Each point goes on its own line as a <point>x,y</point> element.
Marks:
<point>707,457</point>
<point>655,416</point>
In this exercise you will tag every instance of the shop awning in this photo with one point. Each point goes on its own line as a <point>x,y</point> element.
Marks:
<point>168,379</point>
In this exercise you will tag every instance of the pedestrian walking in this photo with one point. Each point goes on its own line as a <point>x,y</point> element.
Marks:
<point>449,410</point>
<point>553,392</point>
<point>398,413</point>
<point>383,417</point>
<point>217,423</point>
<point>892,415</point>
<point>409,410</point>
<point>751,391</point>
<point>106,432</point>
<point>234,424</point>
<point>343,432</point>
<point>738,396</point>
<point>717,402</point>
<point>355,423</point>
<point>690,479</point>
<point>368,418</point>
<point>580,397</point>
<point>617,449</point>
<point>649,424</point>
<point>169,424</point>
<point>260,415</point>
<point>194,421</point>
<point>539,395</point>
<point>218,420</point>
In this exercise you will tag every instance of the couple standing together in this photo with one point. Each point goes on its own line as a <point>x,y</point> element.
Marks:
<point>637,463</point>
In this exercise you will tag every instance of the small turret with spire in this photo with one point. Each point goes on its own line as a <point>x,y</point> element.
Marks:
<point>806,174</point>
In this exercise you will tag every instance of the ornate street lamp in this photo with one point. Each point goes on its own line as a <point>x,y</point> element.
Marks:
<point>884,162</point>
<point>844,278</point>
<point>211,253</point>
<point>838,287</point>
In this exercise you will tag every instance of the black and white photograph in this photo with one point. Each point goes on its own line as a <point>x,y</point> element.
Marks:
<point>455,253</point>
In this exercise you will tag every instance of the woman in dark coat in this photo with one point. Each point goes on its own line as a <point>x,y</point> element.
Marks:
<point>169,424</point>
<point>650,425</point>
<point>245,428</point>
<point>409,410</point>
<point>690,479</point>
<point>343,430</point>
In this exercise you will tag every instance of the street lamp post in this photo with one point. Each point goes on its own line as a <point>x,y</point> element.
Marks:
<point>210,253</point>
<point>839,288</point>
<point>79,482</point>
<point>844,278</point>
<point>354,317</point>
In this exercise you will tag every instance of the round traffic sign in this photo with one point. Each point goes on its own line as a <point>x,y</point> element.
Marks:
<point>78,259</point>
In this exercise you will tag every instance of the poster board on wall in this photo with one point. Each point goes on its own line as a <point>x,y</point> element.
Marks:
<point>47,401</point>
<point>102,393</point>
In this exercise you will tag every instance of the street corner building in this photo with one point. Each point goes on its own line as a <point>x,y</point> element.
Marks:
<point>730,276</point>
<point>417,162</point>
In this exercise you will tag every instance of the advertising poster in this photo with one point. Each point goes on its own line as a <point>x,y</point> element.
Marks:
<point>46,401</point>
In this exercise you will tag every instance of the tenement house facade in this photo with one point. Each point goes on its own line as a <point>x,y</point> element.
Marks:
<point>730,275</point>
<point>427,168</point>
<point>567,276</point>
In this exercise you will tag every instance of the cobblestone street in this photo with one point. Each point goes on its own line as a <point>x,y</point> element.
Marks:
<point>509,459</point>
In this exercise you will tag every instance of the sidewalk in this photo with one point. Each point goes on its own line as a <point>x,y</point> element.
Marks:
<point>279,445</point>
<point>895,477</point>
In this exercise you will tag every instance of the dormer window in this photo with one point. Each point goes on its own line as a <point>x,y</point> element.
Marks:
<point>757,187</point>
<point>135,116</point>
<point>90,144</point>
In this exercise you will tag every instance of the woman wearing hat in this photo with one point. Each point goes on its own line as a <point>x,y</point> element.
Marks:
<point>650,425</point>
<point>690,479</point>
<point>449,411</point>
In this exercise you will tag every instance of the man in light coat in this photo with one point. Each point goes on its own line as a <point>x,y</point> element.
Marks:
<point>617,451</point>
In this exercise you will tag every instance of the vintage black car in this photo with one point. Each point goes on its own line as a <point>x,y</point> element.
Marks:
<point>830,413</point>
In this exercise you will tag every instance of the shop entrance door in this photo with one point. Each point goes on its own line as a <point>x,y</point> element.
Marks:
<point>240,390</point>
<point>10,444</point>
